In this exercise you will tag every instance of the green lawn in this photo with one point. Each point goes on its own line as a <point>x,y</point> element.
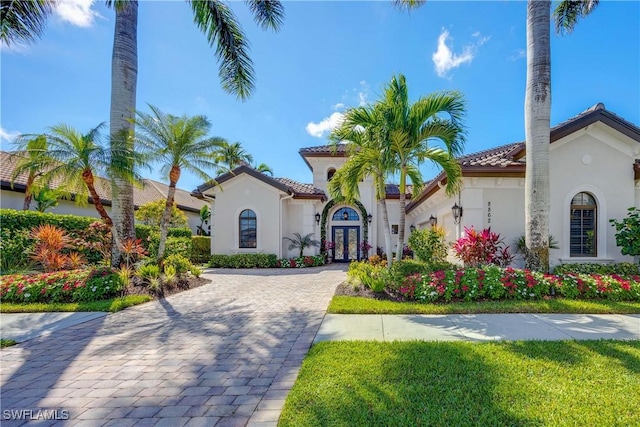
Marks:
<point>360,305</point>
<point>6,343</point>
<point>529,383</point>
<point>109,305</point>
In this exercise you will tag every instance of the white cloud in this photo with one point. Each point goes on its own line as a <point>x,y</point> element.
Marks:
<point>363,94</point>
<point>77,12</point>
<point>518,54</point>
<point>8,136</point>
<point>322,128</point>
<point>338,106</point>
<point>444,59</point>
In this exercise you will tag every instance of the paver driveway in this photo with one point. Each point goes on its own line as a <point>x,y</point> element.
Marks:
<point>226,353</point>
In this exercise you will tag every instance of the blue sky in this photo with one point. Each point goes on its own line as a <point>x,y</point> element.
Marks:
<point>328,56</point>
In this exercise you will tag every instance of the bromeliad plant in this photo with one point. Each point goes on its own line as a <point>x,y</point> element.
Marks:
<point>52,249</point>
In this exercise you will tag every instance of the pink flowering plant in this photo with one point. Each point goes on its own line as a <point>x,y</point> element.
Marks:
<point>61,286</point>
<point>301,262</point>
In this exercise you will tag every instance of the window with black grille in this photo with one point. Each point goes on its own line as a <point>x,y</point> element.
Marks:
<point>583,226</point>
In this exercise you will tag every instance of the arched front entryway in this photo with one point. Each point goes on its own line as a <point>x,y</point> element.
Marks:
<point>346,229</point>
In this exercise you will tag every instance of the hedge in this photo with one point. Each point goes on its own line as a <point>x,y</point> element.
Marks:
<point>243,261</point>
<point>16,225</point>
<point>200,249</point>
<point>623,268</point>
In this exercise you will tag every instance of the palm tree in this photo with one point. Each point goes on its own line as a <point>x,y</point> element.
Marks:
<point>32,161</point>
<point>264,168</point>
<point>230,156</point>
<point>414,131</point>
<point>178,143</point>
<point>537,117</point>
<point>205,216</point>
<point>302,242</point>
<point>24,21</point>
<point>369,155</point>
<point>47,198</point>
<point>219,24</point>
<point>75,157</point>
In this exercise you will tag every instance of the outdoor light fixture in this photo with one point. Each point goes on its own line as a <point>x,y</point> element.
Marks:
<point>369,218</point>
<point>433,220</point>
<point>457,213</point>
<point>412,228</point>
<point>318,218</point>
<point>345,215</point>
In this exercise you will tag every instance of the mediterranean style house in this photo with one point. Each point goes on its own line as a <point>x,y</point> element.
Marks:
<point>12,194</point>
<point>594,175</point>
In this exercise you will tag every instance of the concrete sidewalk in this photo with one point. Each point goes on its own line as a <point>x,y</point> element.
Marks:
<point>21,327</point>
<point>478,327</point>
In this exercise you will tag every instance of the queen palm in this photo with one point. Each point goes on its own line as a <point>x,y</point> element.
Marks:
<point>264,168</point>
<point>369,156</point>
<point>178,144</point>
<point>301,242</point>
<point>230,156</point>
<point>24,21</point>
<point>428,130</point>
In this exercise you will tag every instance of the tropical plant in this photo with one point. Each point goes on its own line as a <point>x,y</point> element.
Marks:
<point>47,198</point>
<point>230,156</point>
<point>132,251</point>
<point>24,21</point>
<point>205,216</point>
<point>628,232</point>
<point>429,244</point>
<point>151,214</point>
<point>148,272</point>
<point>302,242</point>
<point>484,247</point>
<point>520,244</point>
<point>32,161</point>
<point>363,129</point>
<point>170,275</point>
<point>177,143</point>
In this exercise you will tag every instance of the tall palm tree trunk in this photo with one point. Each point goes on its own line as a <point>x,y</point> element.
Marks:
<point>537,124</point>
<point>174,175</point>
<point>124,76</point>
<point>387,232</point>
<point>403,215</point>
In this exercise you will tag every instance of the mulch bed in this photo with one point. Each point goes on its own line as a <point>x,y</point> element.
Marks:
<point>346,289</point>
<point>184,284</point>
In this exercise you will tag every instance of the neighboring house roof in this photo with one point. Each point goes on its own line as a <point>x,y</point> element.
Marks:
<point>150,192</point>
<point>509,160</point>
<point>286,185</point>
<point>393,191</point>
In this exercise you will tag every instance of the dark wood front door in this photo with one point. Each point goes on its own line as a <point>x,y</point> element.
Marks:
<point>347,243</point>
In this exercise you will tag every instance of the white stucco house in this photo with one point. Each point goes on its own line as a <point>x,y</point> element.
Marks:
<point>594,173</point>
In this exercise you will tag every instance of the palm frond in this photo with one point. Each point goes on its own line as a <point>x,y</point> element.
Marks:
<point>269,14</point>
<point>24,21</point>
<point>568,12</point>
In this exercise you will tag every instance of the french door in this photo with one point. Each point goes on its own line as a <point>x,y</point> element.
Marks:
<point>347,243</point>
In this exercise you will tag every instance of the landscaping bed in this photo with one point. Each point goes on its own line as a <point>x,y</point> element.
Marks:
<point>459,383</point>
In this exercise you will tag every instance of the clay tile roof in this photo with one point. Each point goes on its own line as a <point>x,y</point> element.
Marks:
<point>393,191</point>
<point>150,191</point>
<point>337,150</point>
<point>498,156</point>
<point>300,190</point>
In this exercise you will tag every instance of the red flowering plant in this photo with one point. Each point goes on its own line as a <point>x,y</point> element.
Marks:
<point>300,262</point>
<point>482,248</point>
<point>409,285</point>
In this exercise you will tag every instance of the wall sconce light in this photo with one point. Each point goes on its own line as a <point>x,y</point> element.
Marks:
<point>318,218</point>
<point>412,228</point>
<point>433,221</point>
<point>369,218</point>
<point>457,213</point>
<point>345,215</point>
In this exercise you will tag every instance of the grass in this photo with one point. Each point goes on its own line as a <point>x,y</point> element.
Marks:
<point>467,384</point>
<point>109,305</point>
<point>360,305</point>
<point>6,343</point>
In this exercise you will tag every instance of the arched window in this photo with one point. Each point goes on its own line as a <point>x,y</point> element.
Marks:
<point>330,174</point>
<point>248,226</point>
<point>345,214</point>
<point>583,229</point>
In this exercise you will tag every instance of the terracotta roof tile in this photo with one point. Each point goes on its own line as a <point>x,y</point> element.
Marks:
<point>300,189</point>
<point>338,150</point>
<point>498,156</point>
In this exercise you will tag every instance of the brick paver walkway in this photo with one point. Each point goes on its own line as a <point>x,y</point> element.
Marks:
<point>223,354</point>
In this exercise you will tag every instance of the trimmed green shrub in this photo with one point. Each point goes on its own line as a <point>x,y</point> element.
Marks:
<point>623,269</point>
<point>175,246</point>
<point>200,249</point>
<point>429,244</point>
<point>243,261</point>
<point>179,262</point>
<point>628,232</point>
